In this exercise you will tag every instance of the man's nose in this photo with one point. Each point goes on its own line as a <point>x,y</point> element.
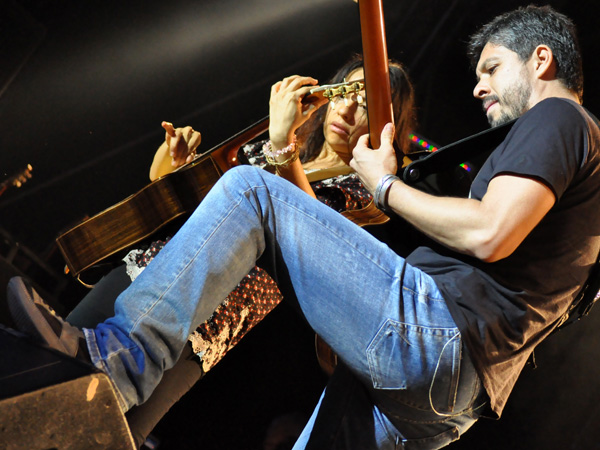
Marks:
<point>481,90</point>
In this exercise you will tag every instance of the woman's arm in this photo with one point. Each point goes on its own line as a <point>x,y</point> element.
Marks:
<point>287,113</point>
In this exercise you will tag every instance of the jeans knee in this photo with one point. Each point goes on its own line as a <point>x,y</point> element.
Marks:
<point>249,174</point>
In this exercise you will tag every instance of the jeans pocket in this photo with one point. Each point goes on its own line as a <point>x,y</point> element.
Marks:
<point>420,363</point>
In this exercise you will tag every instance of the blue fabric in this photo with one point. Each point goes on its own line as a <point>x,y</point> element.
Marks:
<point>385,320</point>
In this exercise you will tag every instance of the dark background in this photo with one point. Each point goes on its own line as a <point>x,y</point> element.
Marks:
<point>84,86</point>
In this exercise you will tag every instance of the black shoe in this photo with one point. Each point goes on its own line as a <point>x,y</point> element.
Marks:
<point>34,317</point>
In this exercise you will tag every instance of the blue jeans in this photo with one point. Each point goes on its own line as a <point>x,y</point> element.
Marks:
<point>384,319</point>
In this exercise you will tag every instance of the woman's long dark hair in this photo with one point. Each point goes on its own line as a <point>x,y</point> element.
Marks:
<point>310,134</point>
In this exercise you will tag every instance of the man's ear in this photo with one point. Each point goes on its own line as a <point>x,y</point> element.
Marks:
<point>543,63</point>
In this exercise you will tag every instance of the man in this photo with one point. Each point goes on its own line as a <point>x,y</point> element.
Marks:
<point>434,340</point>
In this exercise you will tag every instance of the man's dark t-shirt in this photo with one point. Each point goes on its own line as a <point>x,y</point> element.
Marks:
<point>504,309</point>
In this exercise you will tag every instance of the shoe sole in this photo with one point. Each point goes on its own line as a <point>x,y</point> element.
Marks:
<point>22,305</point>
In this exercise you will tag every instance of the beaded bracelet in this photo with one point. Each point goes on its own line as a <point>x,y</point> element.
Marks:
<point>381,191</point>
<point>270,155</point>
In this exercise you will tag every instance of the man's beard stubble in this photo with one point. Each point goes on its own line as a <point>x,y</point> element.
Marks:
<point>514,102</point>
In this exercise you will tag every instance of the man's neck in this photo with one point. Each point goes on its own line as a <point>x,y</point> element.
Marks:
<point>554,89</point>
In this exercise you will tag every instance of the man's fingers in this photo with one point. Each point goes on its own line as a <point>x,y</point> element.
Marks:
<point>363,141</point>
<point>387,134</point>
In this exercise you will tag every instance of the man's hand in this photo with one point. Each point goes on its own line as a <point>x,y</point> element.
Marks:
<point>371,164</point>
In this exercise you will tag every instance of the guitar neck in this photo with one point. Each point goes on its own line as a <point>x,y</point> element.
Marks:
<point>376,68</point>
<point>225,154</point>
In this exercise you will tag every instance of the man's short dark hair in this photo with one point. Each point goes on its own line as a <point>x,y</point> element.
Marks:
<point>523,29</point>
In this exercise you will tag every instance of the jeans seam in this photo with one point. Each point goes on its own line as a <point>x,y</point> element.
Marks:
<point>454,389</point>
<point>378,336</point>
<point>421,295</point>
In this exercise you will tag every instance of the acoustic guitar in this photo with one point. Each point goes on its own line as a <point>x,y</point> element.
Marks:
<point>159,203</point>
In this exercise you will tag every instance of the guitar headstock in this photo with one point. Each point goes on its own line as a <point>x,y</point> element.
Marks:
<point>17,180</point>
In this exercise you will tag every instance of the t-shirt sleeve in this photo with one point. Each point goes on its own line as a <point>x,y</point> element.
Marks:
<point>549,143</point>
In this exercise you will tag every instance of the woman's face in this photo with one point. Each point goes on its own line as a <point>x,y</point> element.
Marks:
<point>346,121</point>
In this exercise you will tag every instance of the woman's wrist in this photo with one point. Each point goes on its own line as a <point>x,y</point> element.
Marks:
<point>278,144</point>
<point>282,156</point>
<point>281,138</point>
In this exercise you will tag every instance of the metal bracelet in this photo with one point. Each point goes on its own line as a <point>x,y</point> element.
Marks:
<point>381,191</point>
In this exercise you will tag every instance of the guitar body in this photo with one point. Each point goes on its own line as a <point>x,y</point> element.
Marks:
<point>138,216</point>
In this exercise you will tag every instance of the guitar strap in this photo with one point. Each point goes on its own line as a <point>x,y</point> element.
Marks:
<point>456,153</point>
<point>438,161</point>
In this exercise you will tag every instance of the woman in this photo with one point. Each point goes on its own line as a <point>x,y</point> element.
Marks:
<point>310,145</point>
